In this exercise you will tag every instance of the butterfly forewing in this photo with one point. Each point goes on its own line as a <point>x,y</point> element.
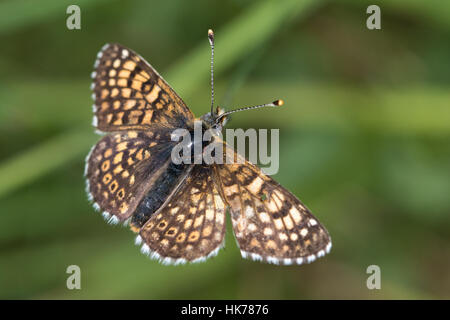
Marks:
<point>130,94</point>
<point>122,166</point>
<point>269,222</point>
<point>191,226</point>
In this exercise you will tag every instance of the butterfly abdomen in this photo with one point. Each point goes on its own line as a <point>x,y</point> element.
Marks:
<point>158,194</point>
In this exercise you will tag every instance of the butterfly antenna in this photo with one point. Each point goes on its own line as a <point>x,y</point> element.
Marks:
<point>276,103</point>
<point>211,43</point>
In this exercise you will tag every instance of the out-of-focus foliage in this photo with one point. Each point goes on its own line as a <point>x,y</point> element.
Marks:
<point>364,142</point>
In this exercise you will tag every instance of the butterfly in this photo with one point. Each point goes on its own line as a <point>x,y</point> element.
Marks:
<point>179,210</point>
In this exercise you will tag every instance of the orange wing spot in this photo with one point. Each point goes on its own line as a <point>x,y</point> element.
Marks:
<point>108,153</point>
<point>124,74</point>
<point>129,104</point>
<point>194,236</point>
<point>153,95</point>
<point>121,146</point>
<point>112,82</point>
<point>254,243</point>
<point>187,223</point>
<point>181,237</point>
<point>118,157</point>
<point>271,245</point>
<point>159,105</point>
<point>114,92</point>
<point>139,154</point>
<point>126,92</point>
<point>116,63</point>
<point>104,93</point>
<point>123,208</point>
<point>132,134</point>
<point>105,165</point>
<point>118,169</point>
<point>125,174</point>
<point>113,186</point>
<point>129,65</point>
<point>107,178</point>
<point>132,180</point>
<point>109,117</point>
<point>172,231</point>
<point>130,161</point>
<point>121,194</point>
<point>104,106</point>
<point>105,194</point>
<point>112,73</point>
<point>147,117</point>
<point>207,231</point>
<point>134,228</point>
<point>136,85</point>
<point>116,104</point>
<point>146,154</point>
<point>162,225</point>
<point>122,82</point>
<point>152,144</point>
<point>198,221</point>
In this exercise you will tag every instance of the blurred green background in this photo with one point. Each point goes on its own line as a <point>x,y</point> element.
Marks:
<point>364,142</point>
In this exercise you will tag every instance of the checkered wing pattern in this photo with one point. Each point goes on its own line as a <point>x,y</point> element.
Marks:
<point>122,166</point>
<point>269,222</point>
<point>191,227</point>
<point>130,94</point>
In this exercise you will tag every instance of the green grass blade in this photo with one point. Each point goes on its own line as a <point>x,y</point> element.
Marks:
<point>37,161</point>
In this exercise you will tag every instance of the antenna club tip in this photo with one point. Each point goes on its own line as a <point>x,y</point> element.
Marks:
<point>278,102</point>
<point>210,34</point>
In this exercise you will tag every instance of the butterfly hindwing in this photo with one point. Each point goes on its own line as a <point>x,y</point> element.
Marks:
<point>269,222</point>
<point>122,166</point>
<point>191,226</point>
<point>130,94</point>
